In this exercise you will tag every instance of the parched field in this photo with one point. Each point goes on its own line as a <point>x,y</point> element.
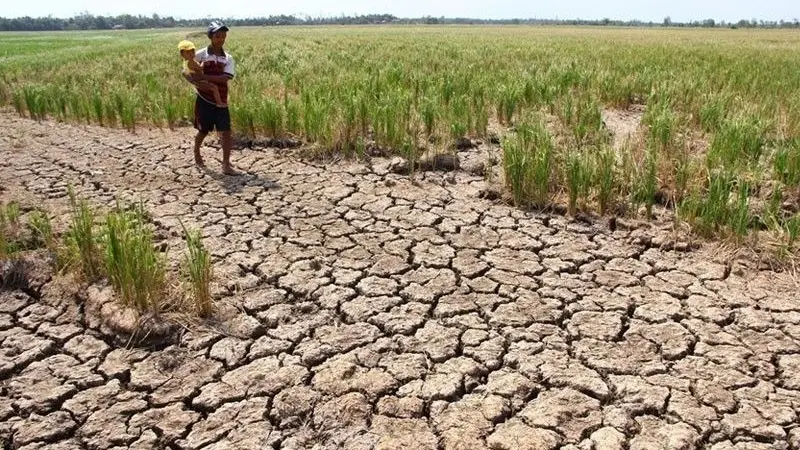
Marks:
<point>359,308</point>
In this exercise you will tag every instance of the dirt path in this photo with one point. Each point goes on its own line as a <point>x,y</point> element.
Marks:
<point>362,313</point>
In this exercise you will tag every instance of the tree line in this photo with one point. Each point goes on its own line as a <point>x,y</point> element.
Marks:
<point>126,21</point>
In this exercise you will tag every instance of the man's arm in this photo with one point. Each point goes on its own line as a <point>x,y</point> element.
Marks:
<point>228,73</point>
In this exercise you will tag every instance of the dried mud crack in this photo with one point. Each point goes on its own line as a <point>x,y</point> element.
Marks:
<point>359,310</point>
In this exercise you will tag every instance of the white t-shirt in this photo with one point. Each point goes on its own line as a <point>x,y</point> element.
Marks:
<point>216,65</point>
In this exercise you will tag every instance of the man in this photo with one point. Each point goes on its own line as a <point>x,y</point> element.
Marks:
<point>218,67</point>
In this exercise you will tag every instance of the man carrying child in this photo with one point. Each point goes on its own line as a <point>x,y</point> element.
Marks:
<point>212,113</point>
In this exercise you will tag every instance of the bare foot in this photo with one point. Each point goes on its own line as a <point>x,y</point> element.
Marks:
<point>198,160</point>
<point>228,170</point>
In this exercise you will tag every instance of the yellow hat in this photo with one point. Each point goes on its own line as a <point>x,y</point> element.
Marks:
<point>185,45</point>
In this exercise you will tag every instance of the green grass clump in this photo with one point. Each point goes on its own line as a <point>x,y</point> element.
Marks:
<point>792,230</point>
<point>605,178</point>
<point>133,265</point>
<point>713,112</point>
<point>12,239</point>
<point>41,227</point>
<point>20,233</point>
<point>83,251</point>
<point>197,272</point>
<point>724,207</point>
<point>528,164</point>
<point>663,125</point>
<point>738,144</point>
<point>578,179</point>
<point>786,163</point>
<point>645,181</point>
<point>6,248</point>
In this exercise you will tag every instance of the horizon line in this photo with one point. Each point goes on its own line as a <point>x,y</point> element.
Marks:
<point>303,16</point>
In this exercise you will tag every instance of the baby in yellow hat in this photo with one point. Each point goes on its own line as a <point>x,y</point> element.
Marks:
<point>194,71</point>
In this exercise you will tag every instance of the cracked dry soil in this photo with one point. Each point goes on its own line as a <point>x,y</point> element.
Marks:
<point>361,311</point>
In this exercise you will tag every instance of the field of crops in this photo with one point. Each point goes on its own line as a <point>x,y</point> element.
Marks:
<point>719,138</point>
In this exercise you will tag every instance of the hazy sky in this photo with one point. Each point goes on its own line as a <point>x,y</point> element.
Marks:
<point>656,10</point>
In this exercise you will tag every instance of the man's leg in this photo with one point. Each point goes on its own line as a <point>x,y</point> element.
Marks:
<point>198,141</point>
<point>201,122</point>
<point>223,125</point>
<point>227,145</point>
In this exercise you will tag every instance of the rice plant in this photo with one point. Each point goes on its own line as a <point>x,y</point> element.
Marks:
<point>428,111</point>
<point>82,244</point>
<point>528,163</point>
<point>35,102</point>
<point>271,116</point>
<point>792,230</point>
<point>645,183</point>
<point>578,179</point>
<point>5,251</point>
<point>605,177</point>
<point>197,272</point>
<point>97,107</point>
<point>739,143</point>
<point>588,121</point>
<point>134,267</point>
<point>41,227</point>
<point>786,162</point>
<point>740,212</point>
<point>723,207</point>
<point>507,104</point>
<point>712,113</point>
<point>18,235</point>
<point>663,125</point>
<point>16,101</point>
<point>516,165</point>
<point>12,213</point>
<point>684,173</point>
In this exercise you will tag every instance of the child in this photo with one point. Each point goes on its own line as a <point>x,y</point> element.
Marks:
<point>194,71</point>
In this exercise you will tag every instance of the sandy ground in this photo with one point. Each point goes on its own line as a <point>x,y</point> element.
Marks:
<point>361,311</point>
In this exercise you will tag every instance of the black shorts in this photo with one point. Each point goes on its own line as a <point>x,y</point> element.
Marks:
<point>208,116</point>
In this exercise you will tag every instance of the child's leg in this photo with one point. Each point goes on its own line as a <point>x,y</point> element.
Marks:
<point>217,97</point>
<point>205,84</point>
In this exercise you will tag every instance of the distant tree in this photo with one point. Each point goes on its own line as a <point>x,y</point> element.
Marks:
<point>86,21</point>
